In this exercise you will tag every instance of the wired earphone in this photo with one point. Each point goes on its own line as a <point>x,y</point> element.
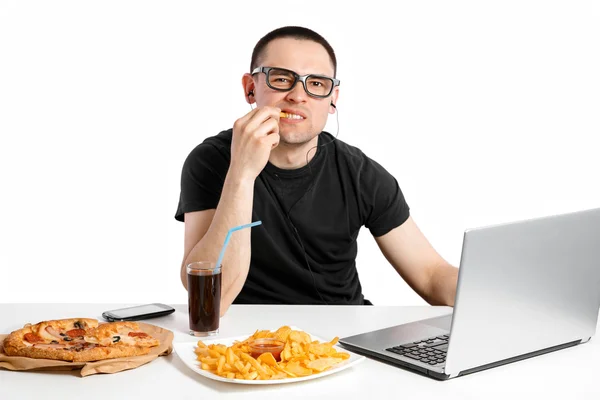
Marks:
<point>287,214</point>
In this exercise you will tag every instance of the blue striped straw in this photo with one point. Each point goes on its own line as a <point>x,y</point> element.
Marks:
<point>237,228</point>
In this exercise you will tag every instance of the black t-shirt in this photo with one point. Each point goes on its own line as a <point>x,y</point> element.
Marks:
<point>310,216</point>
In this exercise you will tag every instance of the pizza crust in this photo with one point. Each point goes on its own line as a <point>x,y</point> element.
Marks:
<point>93,354</point>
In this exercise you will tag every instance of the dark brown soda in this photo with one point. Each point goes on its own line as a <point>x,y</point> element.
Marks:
<point>204,302</point>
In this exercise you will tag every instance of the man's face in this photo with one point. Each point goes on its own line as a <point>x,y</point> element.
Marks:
<point>303,57</point>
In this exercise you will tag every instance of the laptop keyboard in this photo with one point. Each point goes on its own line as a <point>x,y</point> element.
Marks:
<point>431,351</point>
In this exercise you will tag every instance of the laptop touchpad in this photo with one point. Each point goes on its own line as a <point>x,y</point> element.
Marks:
<point>442,322</point>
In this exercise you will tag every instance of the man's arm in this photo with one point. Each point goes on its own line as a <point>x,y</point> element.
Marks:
<point>254,136</point>
<point>205,232</point>
<point>425,271</point>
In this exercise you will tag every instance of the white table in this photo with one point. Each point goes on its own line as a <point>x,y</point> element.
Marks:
<point>571,373</point>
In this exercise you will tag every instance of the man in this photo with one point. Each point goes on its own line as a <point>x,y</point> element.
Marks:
<point>312,192</point>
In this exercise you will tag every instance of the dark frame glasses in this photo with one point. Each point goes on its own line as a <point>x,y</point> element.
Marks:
<point>303,79</point>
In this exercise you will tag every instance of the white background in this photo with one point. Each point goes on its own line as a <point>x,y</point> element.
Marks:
<point>485,112</point>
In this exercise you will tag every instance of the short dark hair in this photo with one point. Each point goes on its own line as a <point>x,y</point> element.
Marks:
<point>295,32</point>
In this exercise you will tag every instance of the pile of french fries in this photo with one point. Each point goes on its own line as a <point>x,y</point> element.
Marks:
<point>301,356</point>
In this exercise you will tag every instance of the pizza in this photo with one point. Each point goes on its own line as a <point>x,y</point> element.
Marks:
<point>79,339</point>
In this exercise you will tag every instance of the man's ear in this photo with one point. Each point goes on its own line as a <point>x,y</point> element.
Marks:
<point>333,100</point>
<point>248,85</point>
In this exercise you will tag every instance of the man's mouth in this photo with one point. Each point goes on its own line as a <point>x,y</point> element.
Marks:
<point>291,115</point>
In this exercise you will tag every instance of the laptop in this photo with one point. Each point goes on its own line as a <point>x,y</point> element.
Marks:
<point>525,288</point>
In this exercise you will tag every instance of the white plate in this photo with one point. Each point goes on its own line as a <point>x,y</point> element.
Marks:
<point>185,351</point>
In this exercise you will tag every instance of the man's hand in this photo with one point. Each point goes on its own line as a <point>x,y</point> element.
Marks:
<point>254,136</point>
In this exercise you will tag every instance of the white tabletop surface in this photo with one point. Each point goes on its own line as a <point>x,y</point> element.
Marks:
<point>570,373</point>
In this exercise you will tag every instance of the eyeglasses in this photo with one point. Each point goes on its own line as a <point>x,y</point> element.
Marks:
<point>284,80</point>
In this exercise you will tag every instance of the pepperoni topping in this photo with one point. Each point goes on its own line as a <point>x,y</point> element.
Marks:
<point>75,333</point>
<point>138,334</point>
<point>33,338</point>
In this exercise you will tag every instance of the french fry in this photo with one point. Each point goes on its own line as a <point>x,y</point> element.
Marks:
<point>206,367</point>
<point>247,367</point>
<point>230,356</point>
<point>213,353</point>
<point>209,361</point>
<point>239,366</point>
<point>255,364</point>
<point>228,368</point>
<point>201,352</point>
<point>220,365</point>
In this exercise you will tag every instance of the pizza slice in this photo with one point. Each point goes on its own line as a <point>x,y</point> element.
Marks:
<point>79,339</point>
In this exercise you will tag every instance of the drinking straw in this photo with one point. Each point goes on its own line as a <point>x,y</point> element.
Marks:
<point>237,228</point>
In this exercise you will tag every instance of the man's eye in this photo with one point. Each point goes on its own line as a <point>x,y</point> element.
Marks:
<point>282,80</point>
<point>317,84</point>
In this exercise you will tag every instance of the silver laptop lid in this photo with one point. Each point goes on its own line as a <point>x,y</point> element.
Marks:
<point>525,286</point>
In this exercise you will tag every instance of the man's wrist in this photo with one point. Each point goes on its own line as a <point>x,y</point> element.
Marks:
<point>239,180</point>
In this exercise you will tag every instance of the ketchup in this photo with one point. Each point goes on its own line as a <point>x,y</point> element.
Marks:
<point>261,346</point>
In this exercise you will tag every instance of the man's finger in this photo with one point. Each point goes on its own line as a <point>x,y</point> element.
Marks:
<point>269,127</point>
<point>261,116</point>
<point>240,123</point>
<point>272,140</point>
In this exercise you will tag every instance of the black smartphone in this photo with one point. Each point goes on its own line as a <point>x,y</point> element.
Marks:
<point>136,313</point>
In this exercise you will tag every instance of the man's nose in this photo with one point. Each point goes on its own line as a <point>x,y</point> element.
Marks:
<point>297,94</point>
